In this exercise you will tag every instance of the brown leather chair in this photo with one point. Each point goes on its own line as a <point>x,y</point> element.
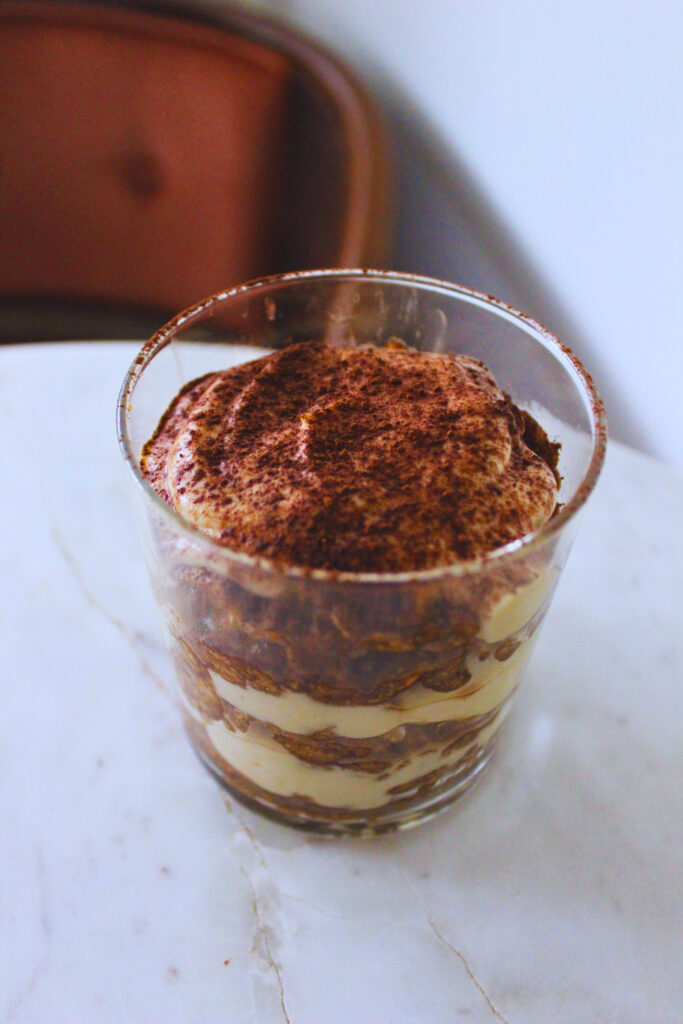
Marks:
<point>150,158</point>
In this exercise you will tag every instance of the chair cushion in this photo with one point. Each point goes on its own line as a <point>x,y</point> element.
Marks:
<point>141,156</point>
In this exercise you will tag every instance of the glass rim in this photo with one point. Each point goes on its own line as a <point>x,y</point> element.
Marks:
<point>521,545</point>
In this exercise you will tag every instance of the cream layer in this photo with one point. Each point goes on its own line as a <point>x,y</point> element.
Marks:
<point>508,615</point>
<point>512,612</point>
<point>277,771</point>
<point>492,682</point>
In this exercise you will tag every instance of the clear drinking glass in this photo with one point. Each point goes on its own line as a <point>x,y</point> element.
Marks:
<point>354,703</point>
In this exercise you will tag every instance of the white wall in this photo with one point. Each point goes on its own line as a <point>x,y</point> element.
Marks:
<point>569,117</point>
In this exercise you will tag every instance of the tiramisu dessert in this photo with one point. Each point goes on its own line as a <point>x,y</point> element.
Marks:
<point>356,666</point>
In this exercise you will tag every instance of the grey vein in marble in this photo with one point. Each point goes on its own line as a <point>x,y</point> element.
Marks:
<point>137,639</point>
<point>265,902</point>
<point>42,955</point>
<point>449,945</point>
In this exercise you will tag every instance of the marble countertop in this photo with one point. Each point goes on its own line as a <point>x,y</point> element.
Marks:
<point>133,890</point>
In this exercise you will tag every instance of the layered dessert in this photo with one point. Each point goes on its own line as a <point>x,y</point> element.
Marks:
<point>359,664</point>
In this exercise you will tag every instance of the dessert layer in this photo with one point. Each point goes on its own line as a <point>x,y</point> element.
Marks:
<point>277,771</point>
<point>412,795</point>
<point>299,713</point>
<point>353,757</point>
<point>358,459</point>
<point>514,610</point>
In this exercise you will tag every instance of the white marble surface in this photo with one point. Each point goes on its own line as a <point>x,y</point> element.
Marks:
<point>132,891</point>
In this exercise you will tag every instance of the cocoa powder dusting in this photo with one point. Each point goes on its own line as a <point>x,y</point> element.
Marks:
<point>360,459</point>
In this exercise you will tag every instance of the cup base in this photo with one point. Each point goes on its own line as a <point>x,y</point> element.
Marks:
<point>361,826</point>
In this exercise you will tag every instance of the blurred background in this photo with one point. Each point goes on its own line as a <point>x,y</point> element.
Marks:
<point>530,150</point>
<point>551,173</point>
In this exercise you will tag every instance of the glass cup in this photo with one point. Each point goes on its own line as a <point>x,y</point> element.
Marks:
<point>354,703</point>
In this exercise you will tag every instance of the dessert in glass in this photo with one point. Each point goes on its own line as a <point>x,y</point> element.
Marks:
<point>356,491</point>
